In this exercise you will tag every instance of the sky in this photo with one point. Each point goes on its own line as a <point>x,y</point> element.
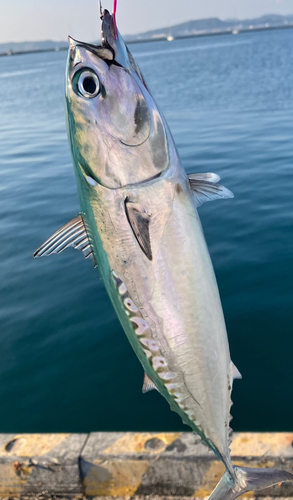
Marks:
<point>30,20</point>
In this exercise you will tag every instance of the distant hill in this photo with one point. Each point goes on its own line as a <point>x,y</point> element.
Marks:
<point>198,26</point>
<point>28,46</point>
<point>212,25</point>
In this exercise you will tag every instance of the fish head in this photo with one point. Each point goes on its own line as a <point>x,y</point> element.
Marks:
<point>117,134</point>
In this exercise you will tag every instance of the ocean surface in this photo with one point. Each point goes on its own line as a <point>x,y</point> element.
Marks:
<point>65,363</point>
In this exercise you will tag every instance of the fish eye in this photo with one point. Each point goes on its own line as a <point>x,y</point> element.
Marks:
<point>88,84</point>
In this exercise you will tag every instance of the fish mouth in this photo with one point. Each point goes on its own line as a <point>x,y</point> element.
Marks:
<point>109,30</point>
<point>112,39</point>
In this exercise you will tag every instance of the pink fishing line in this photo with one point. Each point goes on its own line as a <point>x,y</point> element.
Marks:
<point>114,16</point>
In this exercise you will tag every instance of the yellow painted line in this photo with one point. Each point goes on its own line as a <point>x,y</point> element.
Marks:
<point>114,478</point>
<point>137,443</point>
<point>253,444</point>
<point>31,445</point>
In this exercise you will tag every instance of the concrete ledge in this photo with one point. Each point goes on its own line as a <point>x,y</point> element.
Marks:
<point>131,464</point>
<point>31,464</point>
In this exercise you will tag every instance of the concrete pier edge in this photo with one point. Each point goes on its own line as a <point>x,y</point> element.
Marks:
<point>127,465</point>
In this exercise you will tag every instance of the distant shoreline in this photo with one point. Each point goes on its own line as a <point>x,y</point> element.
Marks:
<point>163,39</point>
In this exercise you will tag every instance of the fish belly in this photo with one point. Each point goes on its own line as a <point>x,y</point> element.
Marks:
<point>170,306</point>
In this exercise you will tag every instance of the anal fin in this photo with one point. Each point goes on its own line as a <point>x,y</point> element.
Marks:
<point>148,384</point>
<point>73,234</point>
<point>235,372</point>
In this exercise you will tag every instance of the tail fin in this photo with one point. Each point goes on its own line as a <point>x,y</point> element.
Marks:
<point>248,480</point>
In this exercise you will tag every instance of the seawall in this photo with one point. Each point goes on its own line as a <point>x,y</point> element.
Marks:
<point>131,464</point>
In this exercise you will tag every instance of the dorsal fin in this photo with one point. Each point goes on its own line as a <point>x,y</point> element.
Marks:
<point>73,234</point>
<point>148,384</point>
<point>205,188</point>
<point>139,221</point>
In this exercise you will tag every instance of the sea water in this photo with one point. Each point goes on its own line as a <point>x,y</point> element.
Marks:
<point>65,362</point>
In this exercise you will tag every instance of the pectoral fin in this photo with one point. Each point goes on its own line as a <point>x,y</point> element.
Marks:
<point>73,234</point>
<point>205,188</point>
<point>208,177</point>
<point>139,221</point>
<point>148,384</point>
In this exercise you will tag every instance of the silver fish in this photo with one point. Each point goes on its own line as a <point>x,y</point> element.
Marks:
<point>140,226</point>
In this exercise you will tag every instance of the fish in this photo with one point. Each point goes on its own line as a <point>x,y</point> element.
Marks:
<point>140,226</point>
